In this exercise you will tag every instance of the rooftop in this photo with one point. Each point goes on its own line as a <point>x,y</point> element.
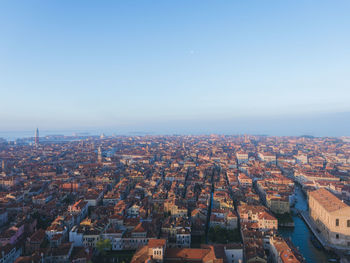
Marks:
<point>327,200</point>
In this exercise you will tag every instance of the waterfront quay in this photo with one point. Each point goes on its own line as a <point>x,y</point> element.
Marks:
<point>342,252</point>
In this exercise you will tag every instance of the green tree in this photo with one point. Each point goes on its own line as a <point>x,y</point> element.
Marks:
<point>221,235</point>
<point>103,245</point>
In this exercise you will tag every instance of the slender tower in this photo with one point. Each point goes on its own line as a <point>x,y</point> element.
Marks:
<point>99,155</point>
<point>3,166</point>
<point>37,136</point>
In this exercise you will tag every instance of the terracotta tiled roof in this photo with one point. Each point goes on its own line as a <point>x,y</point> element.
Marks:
<point>327,200</point>
<point>186,253</point>
<point>152,243</point>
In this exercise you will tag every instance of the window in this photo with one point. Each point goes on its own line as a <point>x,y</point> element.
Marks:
<point>337,236</point>
<point>348,223</point>
<point>337,222</point>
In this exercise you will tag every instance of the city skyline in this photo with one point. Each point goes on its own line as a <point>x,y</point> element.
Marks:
<point>199,67</point>
<point>174,131</point>
<point>197,198</point>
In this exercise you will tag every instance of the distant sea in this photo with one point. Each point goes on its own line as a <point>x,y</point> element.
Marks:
<point>14,135</point>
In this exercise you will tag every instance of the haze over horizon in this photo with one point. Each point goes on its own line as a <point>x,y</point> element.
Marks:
<point>324,125</point>
<point>276,68</point>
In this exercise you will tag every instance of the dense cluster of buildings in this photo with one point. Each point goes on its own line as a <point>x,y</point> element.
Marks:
<point>71,200</point>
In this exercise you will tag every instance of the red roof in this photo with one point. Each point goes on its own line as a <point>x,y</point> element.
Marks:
<point>153,243</point>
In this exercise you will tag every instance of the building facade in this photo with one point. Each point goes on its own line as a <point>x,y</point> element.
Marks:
<point>331,216</point>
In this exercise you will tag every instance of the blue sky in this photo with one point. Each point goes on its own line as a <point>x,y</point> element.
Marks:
<point>172,66</point>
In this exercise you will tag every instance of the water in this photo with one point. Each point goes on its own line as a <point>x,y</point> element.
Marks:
<point>14,135</point>
<point>301,234</point>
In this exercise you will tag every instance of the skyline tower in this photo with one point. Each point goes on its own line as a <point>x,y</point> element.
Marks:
<point>37,136</point>
<point>99,155</point>
<point>3,166</point>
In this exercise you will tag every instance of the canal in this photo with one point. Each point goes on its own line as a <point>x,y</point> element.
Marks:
<point>301,236</point>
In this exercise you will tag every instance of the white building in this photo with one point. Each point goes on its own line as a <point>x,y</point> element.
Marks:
<point>76,236</point>
<point>234,253</point>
